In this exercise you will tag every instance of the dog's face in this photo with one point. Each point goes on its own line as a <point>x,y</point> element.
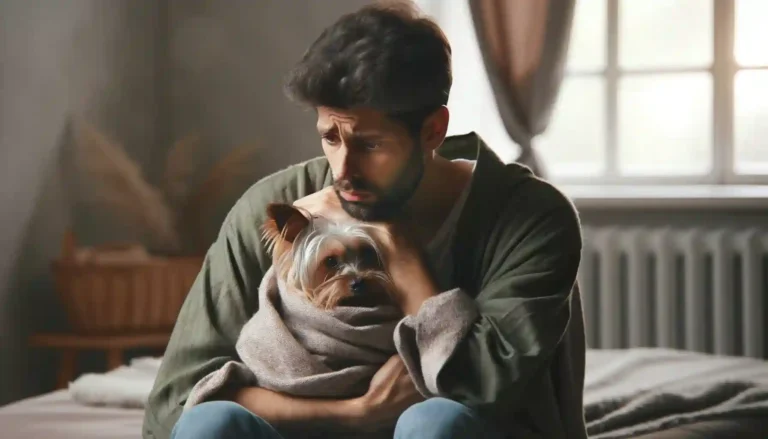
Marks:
<point>333,264</point>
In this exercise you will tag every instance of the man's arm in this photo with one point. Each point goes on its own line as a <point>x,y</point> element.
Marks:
<point>217,306</point>
<point>524,310</point>
<point>391,392</point>
<point>484,352</point>
<point>285,412</point>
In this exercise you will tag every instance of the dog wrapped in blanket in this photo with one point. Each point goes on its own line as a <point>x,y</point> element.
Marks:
<point>326,315</point>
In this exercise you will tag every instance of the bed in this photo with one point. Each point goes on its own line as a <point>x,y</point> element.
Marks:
<point>631,393</point>
<point>56,416</point>
<point>96,406</point>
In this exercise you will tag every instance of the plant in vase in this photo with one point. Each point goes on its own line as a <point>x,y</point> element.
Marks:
<point>172,214</point>
<point>140,287</point>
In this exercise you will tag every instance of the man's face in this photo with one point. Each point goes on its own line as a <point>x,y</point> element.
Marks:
<point>376,164</point>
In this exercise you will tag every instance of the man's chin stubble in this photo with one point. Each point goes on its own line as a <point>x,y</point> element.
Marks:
<point>368,212</point>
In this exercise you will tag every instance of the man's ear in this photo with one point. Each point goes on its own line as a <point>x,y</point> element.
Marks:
<point>284,221</point>
<point>434,129</point>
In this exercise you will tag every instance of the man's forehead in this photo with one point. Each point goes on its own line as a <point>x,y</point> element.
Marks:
<point>331,119</point>
<point>357,121</point>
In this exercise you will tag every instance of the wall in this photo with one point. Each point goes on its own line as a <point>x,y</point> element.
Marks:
<point>145,72</point>
<point>59,59</point>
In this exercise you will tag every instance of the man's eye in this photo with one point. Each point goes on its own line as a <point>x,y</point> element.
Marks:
<point>330,139</point>
<point>371,146</point>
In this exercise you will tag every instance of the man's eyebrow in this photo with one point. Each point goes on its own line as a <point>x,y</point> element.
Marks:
<point>355,135</point>
<point>367,135</point>
<point>325,129</point>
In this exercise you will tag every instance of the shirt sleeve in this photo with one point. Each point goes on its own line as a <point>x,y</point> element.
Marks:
<point>217,306</point>
<point>485,348</point>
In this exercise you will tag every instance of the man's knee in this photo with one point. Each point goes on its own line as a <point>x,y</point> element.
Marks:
<point>221,419</point>
<point>441,418</point>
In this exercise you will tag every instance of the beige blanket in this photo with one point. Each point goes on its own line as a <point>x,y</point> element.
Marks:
<point>292,347</point>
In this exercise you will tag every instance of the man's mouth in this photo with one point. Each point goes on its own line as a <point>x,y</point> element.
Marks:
<point>356,196</point>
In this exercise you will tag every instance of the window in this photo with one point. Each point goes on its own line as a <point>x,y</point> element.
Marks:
<point>663,90</point>
<point>656,91</point>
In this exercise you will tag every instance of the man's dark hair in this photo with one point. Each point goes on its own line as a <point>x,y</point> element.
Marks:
<point>385,56</point>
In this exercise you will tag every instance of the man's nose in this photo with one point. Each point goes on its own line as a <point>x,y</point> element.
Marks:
<point>346,166</point>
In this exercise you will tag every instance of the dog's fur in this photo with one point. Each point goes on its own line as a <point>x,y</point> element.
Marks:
<point>332,263</point>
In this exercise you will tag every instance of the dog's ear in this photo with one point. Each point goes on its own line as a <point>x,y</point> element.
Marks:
<point>284,221</point>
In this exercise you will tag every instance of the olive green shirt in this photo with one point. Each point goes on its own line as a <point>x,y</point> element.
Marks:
<point>516,252</point>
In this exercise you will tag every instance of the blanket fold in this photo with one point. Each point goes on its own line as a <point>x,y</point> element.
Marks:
<point>427,340</point>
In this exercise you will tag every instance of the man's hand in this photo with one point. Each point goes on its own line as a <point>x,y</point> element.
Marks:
<point>390,393</point>
<point>407,267</point>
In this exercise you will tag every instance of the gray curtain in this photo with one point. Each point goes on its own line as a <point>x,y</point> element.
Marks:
<point>524,45</point>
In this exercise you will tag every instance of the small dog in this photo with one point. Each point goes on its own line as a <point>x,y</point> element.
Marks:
<point>326,318</point>
<point>333,264</point>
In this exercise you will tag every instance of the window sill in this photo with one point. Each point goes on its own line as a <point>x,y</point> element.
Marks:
<point>668,197</point>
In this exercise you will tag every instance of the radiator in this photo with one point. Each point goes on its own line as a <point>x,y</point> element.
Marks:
<point>697,289</point>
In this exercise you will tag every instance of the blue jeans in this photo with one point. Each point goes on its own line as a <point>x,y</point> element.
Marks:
<point>435,418</point>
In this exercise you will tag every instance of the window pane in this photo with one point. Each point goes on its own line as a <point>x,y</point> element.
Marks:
<point>751,122</point>
<point>665,124</point>
<point>665,33</point>
<point>587,47</point>
<point>751,32</point>
<point>574,143</point>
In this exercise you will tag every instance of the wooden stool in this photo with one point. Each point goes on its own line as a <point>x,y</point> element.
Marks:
<point>113,346</point>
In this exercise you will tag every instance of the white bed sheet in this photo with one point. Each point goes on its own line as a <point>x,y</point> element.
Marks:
<point>56,416</point>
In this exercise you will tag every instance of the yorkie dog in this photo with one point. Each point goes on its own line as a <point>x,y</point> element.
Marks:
<point>332,263</point>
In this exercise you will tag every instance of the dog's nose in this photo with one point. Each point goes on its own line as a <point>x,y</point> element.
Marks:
<point>356,285</point>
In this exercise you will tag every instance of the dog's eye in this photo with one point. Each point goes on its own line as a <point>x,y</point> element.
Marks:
<point>331,262</point>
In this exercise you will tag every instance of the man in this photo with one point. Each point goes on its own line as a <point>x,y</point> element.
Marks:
<point>506,244</point>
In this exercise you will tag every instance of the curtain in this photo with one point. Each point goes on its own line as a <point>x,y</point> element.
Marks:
<point>524,45</point>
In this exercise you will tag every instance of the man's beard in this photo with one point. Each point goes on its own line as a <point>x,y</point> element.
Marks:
<point>389,202</point>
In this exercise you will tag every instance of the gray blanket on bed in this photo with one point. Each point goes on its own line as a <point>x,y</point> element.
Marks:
<point>639,391</point>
